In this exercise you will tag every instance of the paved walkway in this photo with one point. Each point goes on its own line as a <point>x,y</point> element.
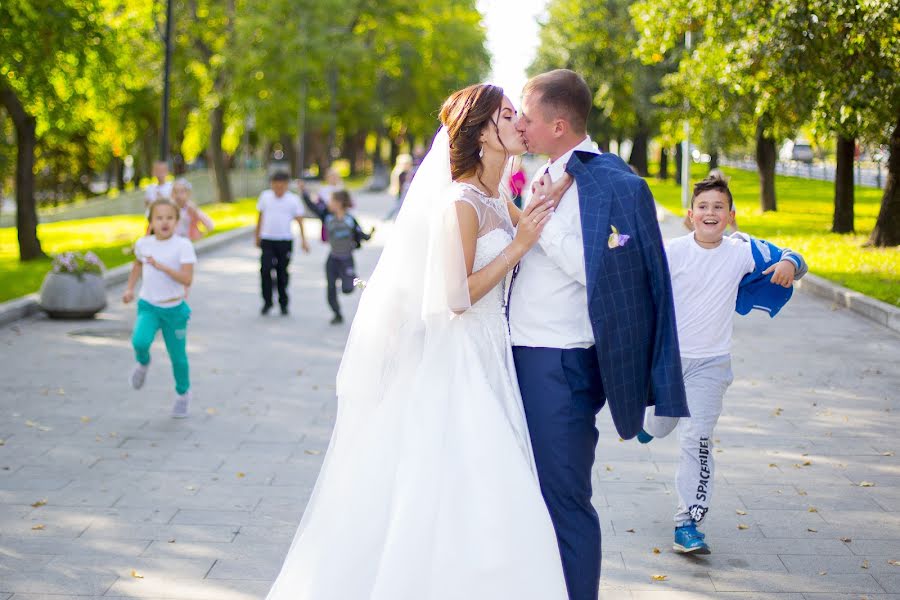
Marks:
<point>103,495</point>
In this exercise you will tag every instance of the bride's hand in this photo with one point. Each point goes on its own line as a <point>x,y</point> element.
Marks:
<point>532,221</point>
<point>546,189</point>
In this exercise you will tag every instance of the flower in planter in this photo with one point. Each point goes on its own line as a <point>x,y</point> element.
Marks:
<point>79,264</point>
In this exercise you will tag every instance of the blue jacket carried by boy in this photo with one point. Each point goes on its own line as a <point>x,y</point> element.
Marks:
<point>756,291</point>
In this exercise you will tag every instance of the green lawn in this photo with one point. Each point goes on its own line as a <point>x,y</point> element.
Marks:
<point>109,237</point>
<point>803,223</point>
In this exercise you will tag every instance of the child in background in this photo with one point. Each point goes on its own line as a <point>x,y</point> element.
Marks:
<point>190,216</point>
<point>165,263</point>
<point>344,236</point>
<point>712,276</point>
<point>277,209</point>
<point>160,188</point>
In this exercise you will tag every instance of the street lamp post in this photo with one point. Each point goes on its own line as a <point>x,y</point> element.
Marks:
<point>164,135</point>
<point>686,144</point>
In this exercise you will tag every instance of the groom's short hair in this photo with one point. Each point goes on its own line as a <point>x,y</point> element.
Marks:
<point>563,94</point>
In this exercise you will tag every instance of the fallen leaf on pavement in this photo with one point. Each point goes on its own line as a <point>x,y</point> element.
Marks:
<point>864,565</point>
<point>241,474</point>
<point>846,540</point>
<point>136,575</point>
<point>629,530</point>
<point>772,465</point>
<point>656,551</point>
<point>313,452</point>
<point>37,527</point>
<point>823,572</point>
<point>866,484</point>
<point>39,503</point>
<point>85,419</point>
<point>741,512</point>
<point>813,509</point>
<point>742,527</point>
<point>659,577</point>
<point>887,453</point>
<point>894,563</point>
<point>212,411</point>
<point>812,530</point>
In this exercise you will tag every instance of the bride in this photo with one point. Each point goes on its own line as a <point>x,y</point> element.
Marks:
<point>428,490</point>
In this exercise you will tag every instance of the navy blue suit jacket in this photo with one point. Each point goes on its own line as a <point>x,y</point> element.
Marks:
<point>629,293</point>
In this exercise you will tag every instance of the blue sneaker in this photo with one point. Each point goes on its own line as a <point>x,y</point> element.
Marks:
<point>688,540</point>
<point>644,437</point>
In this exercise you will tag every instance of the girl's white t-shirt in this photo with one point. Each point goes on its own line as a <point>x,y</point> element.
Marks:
<point>705,286</point>
<point>157,288</point>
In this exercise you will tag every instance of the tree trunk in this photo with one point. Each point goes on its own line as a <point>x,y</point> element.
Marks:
<point>663,164</point>
<point>887,227</point>
<point>765,162</point>
<point>638,157</point>
<point>678,161</point>
<point>714,160</point>
<point>843,186</point>
<point>290,154</point>
<point>26,208</point>
<point>217,155</point>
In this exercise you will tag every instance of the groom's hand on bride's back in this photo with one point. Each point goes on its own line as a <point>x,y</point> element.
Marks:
<point>546,189</point>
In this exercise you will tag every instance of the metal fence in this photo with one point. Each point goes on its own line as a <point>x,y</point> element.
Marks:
<point>864,176</point>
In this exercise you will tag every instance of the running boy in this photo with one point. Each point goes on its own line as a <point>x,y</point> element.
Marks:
<point>277,209</point>
<point>712,276</point>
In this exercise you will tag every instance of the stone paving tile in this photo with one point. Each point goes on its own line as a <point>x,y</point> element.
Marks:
<point>50,581</point>
<point>190,589</point>
<point>742,581</point>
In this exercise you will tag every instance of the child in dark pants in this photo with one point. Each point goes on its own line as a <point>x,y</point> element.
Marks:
<point>344,236</point>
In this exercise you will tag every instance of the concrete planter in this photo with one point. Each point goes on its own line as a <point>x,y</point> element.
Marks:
<point>68,296</point>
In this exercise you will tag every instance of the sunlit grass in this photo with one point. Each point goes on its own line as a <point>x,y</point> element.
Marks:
<point>110,238</point>
<point>803,223</point>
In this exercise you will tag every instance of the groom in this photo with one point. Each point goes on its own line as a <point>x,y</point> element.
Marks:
<point>591,316</point>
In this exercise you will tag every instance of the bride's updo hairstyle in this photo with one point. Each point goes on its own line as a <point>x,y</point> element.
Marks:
<point>464,114</point>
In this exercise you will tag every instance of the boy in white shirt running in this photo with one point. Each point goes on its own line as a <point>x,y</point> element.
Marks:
<point>277,209</point>
<point>165,263</point>
<point>707,270</point>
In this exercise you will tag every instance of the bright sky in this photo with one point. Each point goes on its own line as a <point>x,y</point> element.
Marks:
<point>512,32</point>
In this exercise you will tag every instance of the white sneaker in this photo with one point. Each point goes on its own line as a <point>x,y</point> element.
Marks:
<point>180,408</point>
<point>139,375</point>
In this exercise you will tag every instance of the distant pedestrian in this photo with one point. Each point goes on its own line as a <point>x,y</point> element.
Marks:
<point>165,264</point>
<point>713,275</point>
<point>344,235</point>
<point>277,209</point>
<point>516,181</point>
<point>159,188</point>
<point>400,178</point>
<point>191,217</point>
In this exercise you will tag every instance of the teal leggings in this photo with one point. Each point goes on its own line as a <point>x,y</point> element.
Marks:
<point>173,322</point>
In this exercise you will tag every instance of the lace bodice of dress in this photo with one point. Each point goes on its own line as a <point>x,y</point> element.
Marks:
<point>495,232</point>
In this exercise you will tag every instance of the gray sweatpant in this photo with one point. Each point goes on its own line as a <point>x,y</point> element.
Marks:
<point>705,381</point>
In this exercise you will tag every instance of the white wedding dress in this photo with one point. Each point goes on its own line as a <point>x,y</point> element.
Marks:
<point>431,493</point>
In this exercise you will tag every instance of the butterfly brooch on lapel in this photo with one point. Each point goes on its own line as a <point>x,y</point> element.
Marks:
<point>617,239</point>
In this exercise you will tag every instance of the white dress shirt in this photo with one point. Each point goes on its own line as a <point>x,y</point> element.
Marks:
<point>548,304</point>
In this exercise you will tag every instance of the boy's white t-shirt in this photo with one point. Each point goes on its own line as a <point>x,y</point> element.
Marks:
<point>277,214</point>
<point>154,191</point>
<point>705,286</point>
<point>157,288</point>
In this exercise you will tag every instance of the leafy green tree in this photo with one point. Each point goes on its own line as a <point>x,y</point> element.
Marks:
<point>53,61</point>
<point>847,54</point>
<point>597,39</point>
<point>732,72</point>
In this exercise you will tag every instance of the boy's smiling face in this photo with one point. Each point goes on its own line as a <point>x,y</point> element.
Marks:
<point>710,214</point>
